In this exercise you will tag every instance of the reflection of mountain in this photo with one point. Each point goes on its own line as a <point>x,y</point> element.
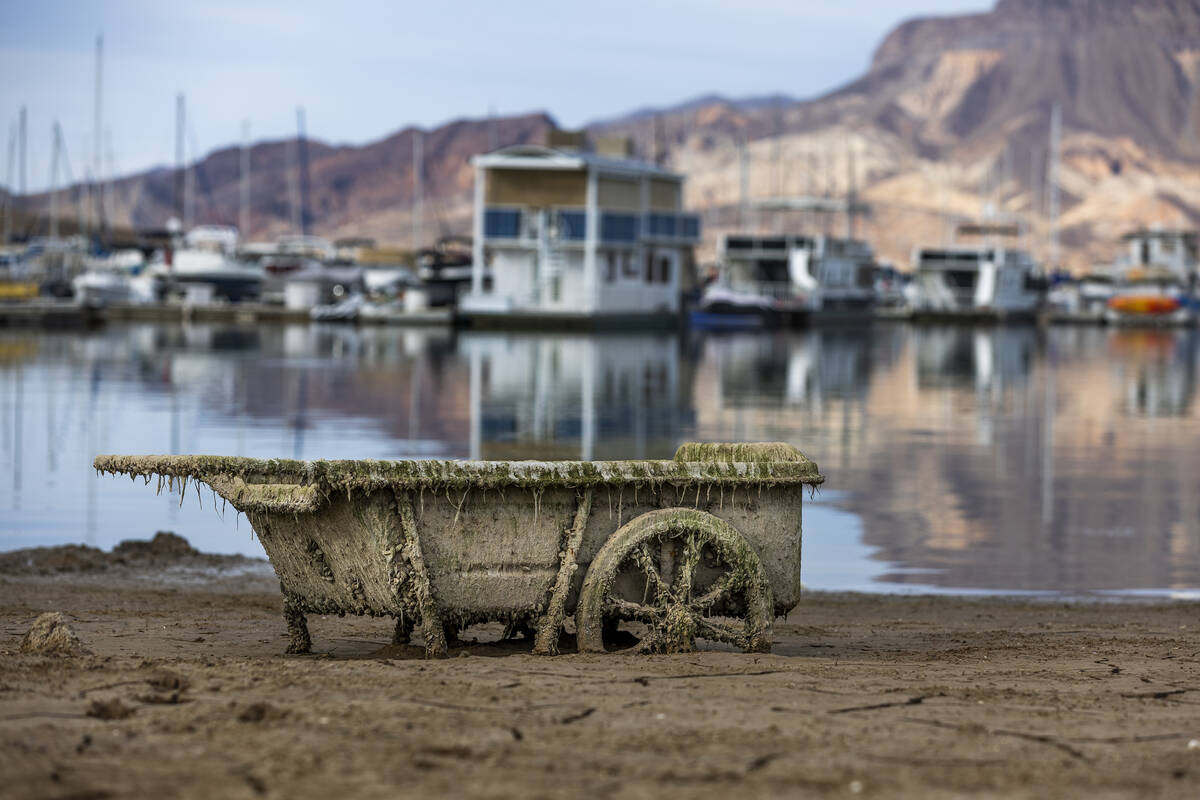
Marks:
<point>976,462</point>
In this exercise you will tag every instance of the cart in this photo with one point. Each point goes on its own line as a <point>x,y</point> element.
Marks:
<point>646,555</point>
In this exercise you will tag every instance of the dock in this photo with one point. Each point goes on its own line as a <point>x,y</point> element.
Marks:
<point>68,315</point>
<point>47,313</point>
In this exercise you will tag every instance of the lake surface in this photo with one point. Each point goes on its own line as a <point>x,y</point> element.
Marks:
<point>956,459</point>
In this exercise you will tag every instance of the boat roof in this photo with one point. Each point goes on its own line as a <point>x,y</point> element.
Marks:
<point>536,156</point>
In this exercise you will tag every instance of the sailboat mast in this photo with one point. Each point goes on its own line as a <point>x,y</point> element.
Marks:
<point>743,182</point>
<point>1052,181</point>
<point>179,123</point>
<point>302,148</point>
<point>244,210</point>
<point>22,131</point>
<point>97,136</point>
<point>418,190</point>
<point>8,185</point>
<point>54,184</point>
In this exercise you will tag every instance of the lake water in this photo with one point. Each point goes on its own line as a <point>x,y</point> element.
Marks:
<point>956,459</point>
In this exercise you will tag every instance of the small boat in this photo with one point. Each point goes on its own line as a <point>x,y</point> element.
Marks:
<point>1149,296</point>
<point>347,310</point>
<point>723,308</point>
<point>205,257</point>
<point>1154,283</point>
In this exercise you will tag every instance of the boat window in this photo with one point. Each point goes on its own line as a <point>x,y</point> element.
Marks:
<point>501,223</point>
<point>690,224</point>
<point>961,278</point>
<point>572,225</point>
<point>610,266</point>
<point>628,266</point>
<point>660,224</point>
<point>664,270</point>
<point>618,227</point>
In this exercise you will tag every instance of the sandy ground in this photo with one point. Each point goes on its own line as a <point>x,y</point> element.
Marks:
<point>186,693</point>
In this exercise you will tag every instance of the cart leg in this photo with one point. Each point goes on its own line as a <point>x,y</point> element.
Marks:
<point>403,632</point>
<point>422,595</point>
<point>551,623</point>
<point>299,641</point>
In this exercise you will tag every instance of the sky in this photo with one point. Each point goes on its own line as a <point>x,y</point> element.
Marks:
<point>363,69</point>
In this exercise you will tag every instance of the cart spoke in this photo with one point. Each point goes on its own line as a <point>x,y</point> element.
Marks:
<point>685,569</point>
<point>720,632</point>
<point>645,561</point>
<point>715,594</point>
<point>667,563</point>
<point>625,609</point>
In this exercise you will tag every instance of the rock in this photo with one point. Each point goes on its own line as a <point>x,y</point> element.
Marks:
<point>51,635</point>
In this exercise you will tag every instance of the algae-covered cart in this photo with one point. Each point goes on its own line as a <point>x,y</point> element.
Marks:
<point>705,546</point>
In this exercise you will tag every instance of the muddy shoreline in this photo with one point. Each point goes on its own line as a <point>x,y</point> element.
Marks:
<point>186,693</point>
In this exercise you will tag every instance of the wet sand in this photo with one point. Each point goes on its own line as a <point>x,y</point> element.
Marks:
<point>187,693</point>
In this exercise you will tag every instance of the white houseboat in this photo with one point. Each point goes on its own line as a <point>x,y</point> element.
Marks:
<point>574,238</point>
<point>788,279</point>
<point>977,281</point>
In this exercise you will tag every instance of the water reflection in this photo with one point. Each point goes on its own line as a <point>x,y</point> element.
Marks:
<point>1002,458</point>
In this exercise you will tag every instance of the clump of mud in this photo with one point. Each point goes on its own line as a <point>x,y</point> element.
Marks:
<point>166,549</point>
<point>50,635</point>
<point>109,709</point>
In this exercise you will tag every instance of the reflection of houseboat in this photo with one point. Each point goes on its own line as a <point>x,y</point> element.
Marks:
<point>967,281</point>
<point>1156,281</point>
<point>790,279</point>
<point>576,238</point>
<point>574,396</point>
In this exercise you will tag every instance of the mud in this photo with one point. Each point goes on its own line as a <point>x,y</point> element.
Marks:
<point>861,696</point>
<point>165,549</point>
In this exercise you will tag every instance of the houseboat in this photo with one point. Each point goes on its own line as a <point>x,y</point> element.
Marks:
<point>574,238</point>
<point>977,282</point>
<point>789,280</point>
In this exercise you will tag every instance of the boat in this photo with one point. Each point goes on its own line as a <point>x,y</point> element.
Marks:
<point>799,278</point>
<point>723,308</point>
<point>445,270</point>
<point>202,265</point>
<point>977,282</point>
<point>1155,282</point>
<point>576,238</point>
<point>1154,296</point>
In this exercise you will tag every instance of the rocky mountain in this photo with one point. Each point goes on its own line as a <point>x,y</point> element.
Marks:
<point>950,123</point>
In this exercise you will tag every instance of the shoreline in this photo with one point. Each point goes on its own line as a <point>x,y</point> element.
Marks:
<point>187,693</point>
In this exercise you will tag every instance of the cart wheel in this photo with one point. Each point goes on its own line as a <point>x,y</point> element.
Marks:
<point>683,573</point>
